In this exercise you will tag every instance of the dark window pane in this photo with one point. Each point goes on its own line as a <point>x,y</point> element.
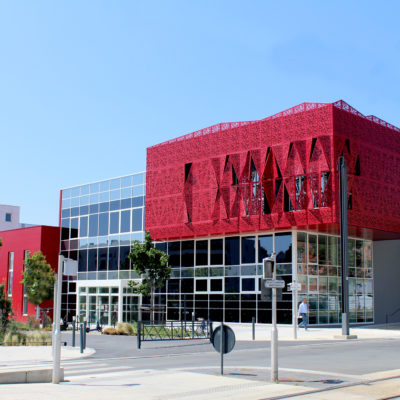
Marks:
<point>74,212</point>
<point>83,228</point>
<point>232,250</point>
<point>174,254</point>
<point>125,221</point>
<point>92,261</point>
<point>248,250</point>
<point>188,253</point>
<point>123,257</point>
<point>202,252</point>
<point>137,201</point>
<point>93,224</point>
<point>161,246</point>
<point>104,206</point>
<point>283,247</point>
<point>113,258</point>
<point>137,219</point>
<point>93,208</point>
<point>216,248</point>
<point>82,261</point>
<point>114,222</point>
<point>102,254</point>
<point>232,285</point>
<point>201,285</point>
<point>265,244</point>
<point>248,284</point>
<point>126,203</point>
<point>103,224</point>
<point>83,210</point>
<point>187,285</point>
<point>64,229</point>
<point>73,255</point>
<point>173,286</point>
<point>115,205</point>
<point>216,285</point>
<point>65,213</point>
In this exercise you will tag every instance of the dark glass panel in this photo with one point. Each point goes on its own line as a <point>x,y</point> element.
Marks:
<point>216,314</point>
<point>104,206</point>
<point>93,208</point>
<point>93,224</point>
<point>102,254</point>
<point>248,284</point>
<point>64,229</point>
<point>137,219</point>
<point>123,257</point>
<point>161,246</point>
<point>265,247</point>
<point>73,255</point>
<point>232,251</point>
<point>82,261</point>
<point>103,224</point>
<point>187,285</point>
<point>92,260</point>
<point>137,201</point>
<point>232,285</point>
<point>115,205</point>
<point>174,254</point>
<point>114,222</point>
<point>187,253</point>
<point>248,250</point>
<point>113,258</point>
<point>83,226</point>
<point>126,203</point>
<point>231,315</point>
<point>247,315</point>
<point>201,285</point>
<point>202,252</point>
<point>216,285</point>
<point>173,286</point>
<point>283,247</point>
<point>83,210</point>
<point>65,213</point>
<point>74,212</point>
<point>125,221</point>
<point>322,253</point>
<point>216,249</point>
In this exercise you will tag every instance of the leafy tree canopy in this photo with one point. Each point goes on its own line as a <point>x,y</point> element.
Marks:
<point>38,279</point>
<point>151,264</point>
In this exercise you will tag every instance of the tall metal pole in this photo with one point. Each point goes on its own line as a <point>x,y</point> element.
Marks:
<point>294,279</point>
<point>57,317</point>
<point>274,333</point>
<point>343,244</point>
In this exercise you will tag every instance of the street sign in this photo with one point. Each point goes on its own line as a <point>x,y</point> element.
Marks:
<point>229,339</point>
<point>273,283</point>
<point>294,286</point>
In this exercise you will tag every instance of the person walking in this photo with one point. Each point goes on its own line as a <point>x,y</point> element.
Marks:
<point>303,313</point>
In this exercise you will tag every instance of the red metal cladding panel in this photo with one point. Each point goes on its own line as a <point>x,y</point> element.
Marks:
<point>44,238</point>
<point>275,173</point>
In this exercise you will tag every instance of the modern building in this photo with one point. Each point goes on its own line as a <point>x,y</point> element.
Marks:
<point>99,223</point>
<point>9,217</point>
<point>225,197</point>
<point>17,245</point>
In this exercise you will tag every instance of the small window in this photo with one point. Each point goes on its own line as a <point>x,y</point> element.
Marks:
<point>8,217</point>
<point>248,284</point>
<point>201,285</point>
<point>216,285</point>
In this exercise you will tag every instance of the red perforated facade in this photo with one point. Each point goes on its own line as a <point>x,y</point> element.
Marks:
<point>276,173</point>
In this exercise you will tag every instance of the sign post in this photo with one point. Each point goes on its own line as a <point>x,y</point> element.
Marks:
<point>294,287</point>
<point>223,340</point>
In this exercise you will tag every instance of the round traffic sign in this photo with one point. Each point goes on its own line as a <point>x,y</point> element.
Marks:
<point>229,339</point>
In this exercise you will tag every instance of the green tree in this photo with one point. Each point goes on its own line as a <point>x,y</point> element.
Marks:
<point>38,279</point>
<point>152,265</point>
<point>5,309</point>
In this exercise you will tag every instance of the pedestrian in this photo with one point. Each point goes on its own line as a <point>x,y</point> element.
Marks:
<point>303,313</point>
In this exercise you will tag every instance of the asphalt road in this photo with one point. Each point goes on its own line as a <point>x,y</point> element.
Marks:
<point>313,364</point>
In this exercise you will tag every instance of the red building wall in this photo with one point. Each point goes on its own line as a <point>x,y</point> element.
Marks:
<point>43,238</point>
<point>201,184</point>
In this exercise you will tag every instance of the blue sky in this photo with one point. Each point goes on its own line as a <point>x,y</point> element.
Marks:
<point>86,86</point>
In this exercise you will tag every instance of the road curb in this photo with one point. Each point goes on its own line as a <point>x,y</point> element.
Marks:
<point>31,375</point>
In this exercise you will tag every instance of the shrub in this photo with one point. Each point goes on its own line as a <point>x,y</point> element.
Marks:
<point>123,328</point>
<point>109,331</point>
<point>38,338</point>
<point>14,338</point>
<point>33,323</point>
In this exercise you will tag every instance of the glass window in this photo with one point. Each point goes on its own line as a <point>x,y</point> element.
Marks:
<point>201,285</point>
<point>102,254</point>
<point>103,224</point>
<point>138,179</point>
<point>82,261</point>
<point>312,249</point>
<point>283,247</point>
<point>232,250</point>
<point>74,228</point>
<point>113,258</point>
<point>126,181</point>
<point>187,253</point>
<point>174,254</point>
<point>265,249</point>
<point>137,201</point>
<point>161,246</point>
<point>104,186</point>
<point>248,284</point>
<point>332,250</point>
<point>93,224</point>
<point>322,256</point>
<point>115,183</point>
<point>126,221</point>
<point>64,229</point>
<point>187,285</point>
<point>248,250</point>
<point>232,285</point>
<point>216,251</point>
<point>10,272</point>
<point>8,217</point>
<point>114,222</point>
<point>216,285</point>
<point>123,257</point>
<point>92,260</point>
<point>202,252</point>
<point>137,218</point>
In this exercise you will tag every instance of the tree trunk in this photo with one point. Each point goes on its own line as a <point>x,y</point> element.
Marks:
<point>152,304</point>
<point>38,312</point>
